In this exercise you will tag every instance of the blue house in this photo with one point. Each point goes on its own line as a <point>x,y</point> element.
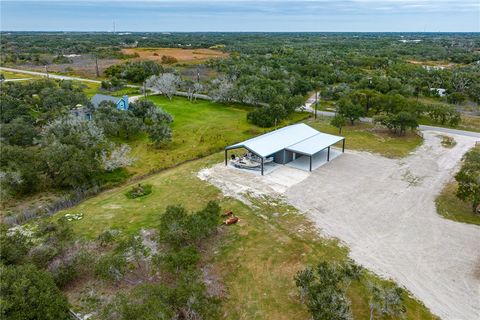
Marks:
<point>122,103</point>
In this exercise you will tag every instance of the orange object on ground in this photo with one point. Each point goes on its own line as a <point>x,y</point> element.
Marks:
<point>231,220</point>
<point>227,213</point>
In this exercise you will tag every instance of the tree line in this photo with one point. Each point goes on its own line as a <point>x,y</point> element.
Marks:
<point>44,145</point>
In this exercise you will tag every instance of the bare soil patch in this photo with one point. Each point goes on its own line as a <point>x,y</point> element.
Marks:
<point>182,55</point>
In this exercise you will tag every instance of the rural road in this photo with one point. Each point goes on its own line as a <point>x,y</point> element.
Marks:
<point>49,75</point>
<point>307,106</point>
<point>60,77</point>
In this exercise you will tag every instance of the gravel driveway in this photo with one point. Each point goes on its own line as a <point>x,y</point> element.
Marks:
<point>384,211</point>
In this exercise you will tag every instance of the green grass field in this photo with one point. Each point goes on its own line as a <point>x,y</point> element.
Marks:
<point>199,129</point>
<point>256,259</point>
<point>363,136</point>
<point>451,207</point>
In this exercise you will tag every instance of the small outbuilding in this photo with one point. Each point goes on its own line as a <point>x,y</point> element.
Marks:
<point>298,145</point>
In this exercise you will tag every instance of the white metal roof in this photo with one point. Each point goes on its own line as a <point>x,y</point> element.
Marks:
<point>314,144</point>
<point>301,137</point>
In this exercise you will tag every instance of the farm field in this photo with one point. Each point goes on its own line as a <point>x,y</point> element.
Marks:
<point>255,259</point>
<point>182,55</point>
<point>199,129</point>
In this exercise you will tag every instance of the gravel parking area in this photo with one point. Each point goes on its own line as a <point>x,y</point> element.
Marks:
<point>384,211</point>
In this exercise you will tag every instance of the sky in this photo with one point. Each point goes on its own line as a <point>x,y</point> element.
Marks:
<point>242,15</point>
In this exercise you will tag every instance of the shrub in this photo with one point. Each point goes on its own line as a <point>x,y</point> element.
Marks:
<point>29,293</point>
<point>13,247</point>
<point>67,270</point>
<point>468,179</point>
<point>139,191</point>
<point>266,116</point>
<point>183,259</point>
<point>106,237</point>
<point>177,228</point>
<point>42,254</point>
<point>111,267</point>
<point>323,289</point>
<point>448,142</point>
<point>169,59</point>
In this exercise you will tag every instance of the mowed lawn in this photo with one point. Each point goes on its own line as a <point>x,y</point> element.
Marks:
<point>255,260</point>
<point>199,129</point>
<point>365,137</point>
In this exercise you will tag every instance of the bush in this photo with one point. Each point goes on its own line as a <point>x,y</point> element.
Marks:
<point>29,293</point>
<point>139,191</point>
<point>468,179</point>
<point>448,142</point>
<point>13,247</point>
<point>70,268</point>
<point>169,59</point>
<point>42,254</point>
<point>177,228</point>
<point>323,289</point>
<point>106,237</point>
<point>266,116</point>
<point>183,259</point>
<point>111,267</point>
<point>186,300</point>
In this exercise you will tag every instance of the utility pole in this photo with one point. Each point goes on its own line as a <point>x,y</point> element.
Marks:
<point>316,101</point>
<point>46,71</point>
<point>97,72</point>
<point>145,89</point>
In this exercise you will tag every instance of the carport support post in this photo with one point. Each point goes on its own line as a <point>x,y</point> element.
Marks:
<point>262,166</point>
<point>343,146</point>
<point>328,154</point>
<point>311,163</point>
<point>225,156</point>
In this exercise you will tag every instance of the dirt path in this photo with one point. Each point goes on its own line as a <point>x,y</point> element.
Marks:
<point>384,211</point>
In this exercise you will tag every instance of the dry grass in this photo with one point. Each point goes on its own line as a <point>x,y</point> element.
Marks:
<point>182,55</point>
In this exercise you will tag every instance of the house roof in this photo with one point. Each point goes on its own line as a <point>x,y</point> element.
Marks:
<point>98,98</point>
<point>299,138</point>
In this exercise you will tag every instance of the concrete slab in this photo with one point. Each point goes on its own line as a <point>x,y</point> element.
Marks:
<point>318,160</point>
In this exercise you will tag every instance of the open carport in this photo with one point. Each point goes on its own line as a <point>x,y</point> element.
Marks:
<point>300,146</point>
<point>318,159</point>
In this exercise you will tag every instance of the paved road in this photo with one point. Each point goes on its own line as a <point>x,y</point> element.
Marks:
<point>16,80</point>
<point>56,76</point>
<point>308,107</point>
<point>60,77</point>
